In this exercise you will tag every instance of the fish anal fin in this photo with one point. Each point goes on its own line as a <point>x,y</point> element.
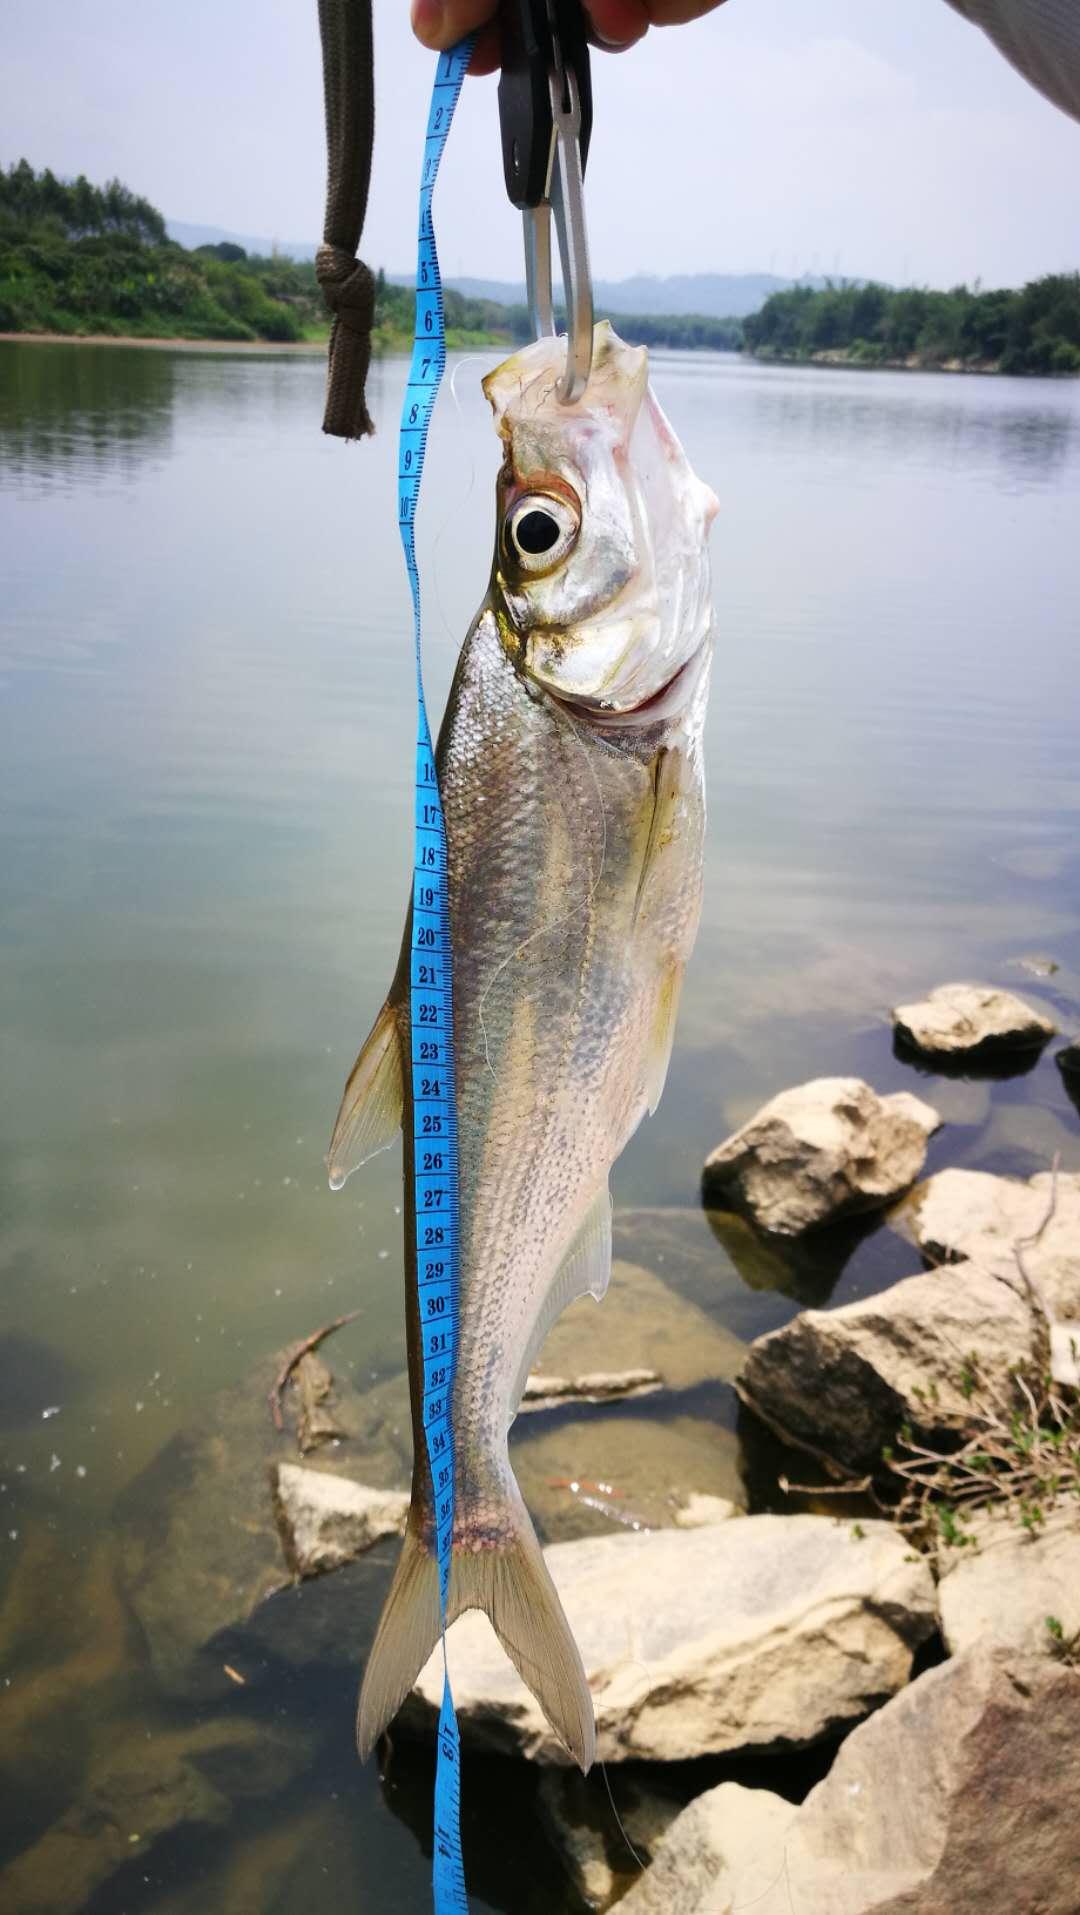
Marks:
<point>586,1267</point>
<point>370,1115</point>
<point>584,1271</point>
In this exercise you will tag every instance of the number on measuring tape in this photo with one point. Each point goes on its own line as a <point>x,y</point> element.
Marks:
<point>435,1166</point>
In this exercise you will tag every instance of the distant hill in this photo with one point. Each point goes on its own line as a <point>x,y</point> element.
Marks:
<point>191,235</point>
<point>713,295</point>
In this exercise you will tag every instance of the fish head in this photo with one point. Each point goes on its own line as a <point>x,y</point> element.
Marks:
<point>600,582</point>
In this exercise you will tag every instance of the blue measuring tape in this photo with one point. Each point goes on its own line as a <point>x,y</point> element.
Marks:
<point>435,1153</point>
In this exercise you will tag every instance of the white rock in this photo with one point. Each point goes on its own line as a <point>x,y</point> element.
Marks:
<point>971,1214</point>
<point>697,1512</point>
<point>770,1629</point>
<point>958,1019</point>
<point>325,1521</point>
<point>960,1797</point>
<point>697,1862</point>
<point>1003,1586</point>
<point>821,1151</point>
<point>843,1381</point>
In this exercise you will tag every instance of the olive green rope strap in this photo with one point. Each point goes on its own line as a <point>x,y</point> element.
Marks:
<point>348,285</point>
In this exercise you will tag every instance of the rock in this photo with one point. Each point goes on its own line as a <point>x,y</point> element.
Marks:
<point>199,1548</point>
<point>1068,1061</point>
<point>585,1829</point>
<point>769,1630</point>
<point>696,1864</point>
<point>325,1521</point>
<point>1036,964</point>
<point>819,1152</point>
<point>969,1214</point>
<point>600,1386</point>
<point>584,1477</point>
<point>843,1381</point>
<point>960,1797</point>
<point>153,1786</point>
<point>641,1325</point>
<point>699,1511</point>
<point>965,1020</point>
<point>1003,1585</point>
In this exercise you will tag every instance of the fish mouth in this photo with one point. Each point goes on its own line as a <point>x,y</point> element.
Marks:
<point>672,696</point>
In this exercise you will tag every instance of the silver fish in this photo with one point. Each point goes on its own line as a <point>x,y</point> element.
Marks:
<point>570,768</point>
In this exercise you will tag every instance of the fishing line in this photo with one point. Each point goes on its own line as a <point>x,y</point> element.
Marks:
<point>619,1820</point>
<point>431,1034</point>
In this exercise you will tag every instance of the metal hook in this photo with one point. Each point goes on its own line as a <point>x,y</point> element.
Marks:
<point>545,111</point>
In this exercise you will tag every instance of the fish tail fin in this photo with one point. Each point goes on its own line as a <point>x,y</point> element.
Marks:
<point>409,1628</point>
<point>511,1583</point>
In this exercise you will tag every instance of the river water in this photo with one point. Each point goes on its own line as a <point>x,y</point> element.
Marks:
<point>206,712</point>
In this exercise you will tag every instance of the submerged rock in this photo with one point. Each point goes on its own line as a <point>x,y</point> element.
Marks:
<point>1008,1582</point>
<point>960,1797</point>
<point>199,1548</point>
<point>596,1849</point>
<point>642,1325</point>
<point>843,1381</point>
<point>700,1857</point>
<point>596,1472</point>
<point>965,1020</point>
<point>325,1521</point>
<point>770,1630</point>
<point>822,1151</point>
<point>155,1785</point>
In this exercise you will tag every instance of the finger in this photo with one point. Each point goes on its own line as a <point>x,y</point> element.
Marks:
<point>618,23</point>
<point>487,53</point>
<point>676,13</point>
<point>442,23</point>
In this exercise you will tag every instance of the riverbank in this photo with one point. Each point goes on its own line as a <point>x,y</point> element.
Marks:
<point>851,358</point>
<point>458,339</point>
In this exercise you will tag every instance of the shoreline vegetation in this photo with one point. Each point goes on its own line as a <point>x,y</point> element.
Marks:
<point>80,263</point>
<point>1033,331</point>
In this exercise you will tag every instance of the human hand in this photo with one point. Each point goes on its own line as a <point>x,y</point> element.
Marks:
<point>614,24</point>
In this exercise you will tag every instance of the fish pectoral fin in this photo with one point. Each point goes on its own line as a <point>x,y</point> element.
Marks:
<point>370,1115</point>
<point>662,1034</point>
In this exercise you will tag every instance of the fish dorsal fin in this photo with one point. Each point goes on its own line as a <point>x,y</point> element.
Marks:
<point>370,1114</point>
<point>584,1271</point>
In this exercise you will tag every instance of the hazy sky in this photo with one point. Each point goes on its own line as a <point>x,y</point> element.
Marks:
<point>878,137</point>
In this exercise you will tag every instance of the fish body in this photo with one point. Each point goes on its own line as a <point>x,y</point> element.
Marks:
<point>570,770</point>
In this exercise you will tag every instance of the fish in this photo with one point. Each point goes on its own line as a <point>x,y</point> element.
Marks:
<point>570,767</point>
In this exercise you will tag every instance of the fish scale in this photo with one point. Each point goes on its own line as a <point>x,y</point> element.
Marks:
<point>435,1149</point>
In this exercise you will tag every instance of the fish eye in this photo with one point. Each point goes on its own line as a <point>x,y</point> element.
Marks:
<point>540,531</point>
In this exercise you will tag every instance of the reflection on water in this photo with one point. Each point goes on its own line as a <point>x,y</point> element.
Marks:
<point>75,415</point>
<point>204,840</point>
